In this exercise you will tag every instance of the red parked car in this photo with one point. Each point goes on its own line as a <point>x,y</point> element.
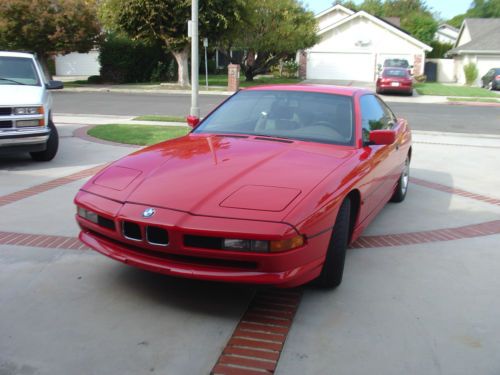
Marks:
<point>395,80</point>
<point>270,188</point>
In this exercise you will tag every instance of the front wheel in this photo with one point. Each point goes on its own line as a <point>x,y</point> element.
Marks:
<point>402,187</point>
<point>52,146</point>
<point>333,268</point>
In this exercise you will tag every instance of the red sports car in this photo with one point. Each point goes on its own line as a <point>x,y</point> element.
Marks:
<point>269,188</point>
<point>395,80</point>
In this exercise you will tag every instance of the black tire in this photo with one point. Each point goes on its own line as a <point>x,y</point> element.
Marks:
<point>52,146</point>
<point>333,268</point>
<point>402,187</point>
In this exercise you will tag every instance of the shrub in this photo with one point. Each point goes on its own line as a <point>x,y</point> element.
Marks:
<point>420,78</point>
<point>471,73</point>
<point>290,68</point>
<point>94,79</point>
<point>438,50</point>
<point>127,61</point>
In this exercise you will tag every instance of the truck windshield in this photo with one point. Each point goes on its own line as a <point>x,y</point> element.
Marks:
<point>18,71</point>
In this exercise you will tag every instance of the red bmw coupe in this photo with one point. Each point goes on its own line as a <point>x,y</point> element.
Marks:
<point>269,188</point>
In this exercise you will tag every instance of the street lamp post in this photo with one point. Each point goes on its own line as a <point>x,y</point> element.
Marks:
<point>195,109</point>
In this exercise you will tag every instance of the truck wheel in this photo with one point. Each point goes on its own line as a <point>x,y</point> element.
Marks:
<point>52,146</point>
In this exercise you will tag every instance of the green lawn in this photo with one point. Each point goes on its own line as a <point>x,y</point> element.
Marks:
<point>221,80</point>
<point>161,118</point>
<point>213,80</point>
<point>142,135</point>
<point>440,89</point>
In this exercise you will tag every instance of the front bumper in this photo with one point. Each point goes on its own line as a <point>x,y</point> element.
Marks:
<point>286,269</point>
<point>25,139</point>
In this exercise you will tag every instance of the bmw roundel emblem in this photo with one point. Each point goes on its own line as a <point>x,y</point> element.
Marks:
<point>148,212</point>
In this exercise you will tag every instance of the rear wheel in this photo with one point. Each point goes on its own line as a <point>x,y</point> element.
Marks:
<point>333,268</point>
<point>52,146</point>
<point>400,192</point>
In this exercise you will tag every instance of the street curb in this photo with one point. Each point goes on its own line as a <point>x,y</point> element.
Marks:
<point>475,104</point>
<point>140,91</point>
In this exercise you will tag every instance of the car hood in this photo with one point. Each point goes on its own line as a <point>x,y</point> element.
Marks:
<point>19,95</point>
<point>223,176</point>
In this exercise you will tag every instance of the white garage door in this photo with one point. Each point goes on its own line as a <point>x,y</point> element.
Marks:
<point>341,66</point>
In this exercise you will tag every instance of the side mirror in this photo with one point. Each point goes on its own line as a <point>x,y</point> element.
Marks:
<point>54,85</point>
<point>192,121</point>
<point>382,137</point>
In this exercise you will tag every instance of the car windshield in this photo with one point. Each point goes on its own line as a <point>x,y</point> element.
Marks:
<point>297,115</point>
<point>395,73</point>
<point>18,71</point>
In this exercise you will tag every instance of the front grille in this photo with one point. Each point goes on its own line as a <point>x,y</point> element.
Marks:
<point>203,242</point>
<point>5,111</point>
<point>5,124</point>
<point>132,231</point>
<point>157,236</point>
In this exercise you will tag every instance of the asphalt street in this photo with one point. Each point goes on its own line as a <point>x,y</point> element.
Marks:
<point>428,117</point>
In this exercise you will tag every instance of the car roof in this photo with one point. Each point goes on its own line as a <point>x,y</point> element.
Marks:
<point>16,54</point>
<point>325,89</point>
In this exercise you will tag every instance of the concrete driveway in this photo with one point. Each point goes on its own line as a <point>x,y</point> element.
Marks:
<point>420,294</point>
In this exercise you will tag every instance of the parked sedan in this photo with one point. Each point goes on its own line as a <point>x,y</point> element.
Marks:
<point>395,80</point>
<point>491,80</point>
<point>270,188</point>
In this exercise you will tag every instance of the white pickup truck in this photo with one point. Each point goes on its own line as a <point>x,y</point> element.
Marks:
<point>26,107</point>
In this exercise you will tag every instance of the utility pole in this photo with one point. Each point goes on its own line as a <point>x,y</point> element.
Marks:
<point>195,109</point>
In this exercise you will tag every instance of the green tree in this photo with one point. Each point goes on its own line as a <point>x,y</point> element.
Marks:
<point>416,17</point>
<point>48,27</point>
<point>166,20</point>
<point>478,9</point>
<point>273,30</point>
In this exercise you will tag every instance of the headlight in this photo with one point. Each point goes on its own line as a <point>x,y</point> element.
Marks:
<point>89,215</point>
<point>260,246</point>
<point>246,245</point>
<point>28,111</point>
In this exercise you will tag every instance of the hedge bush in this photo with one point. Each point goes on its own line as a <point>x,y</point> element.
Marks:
<point>127,61</point>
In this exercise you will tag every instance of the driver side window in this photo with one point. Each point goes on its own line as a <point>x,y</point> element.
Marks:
<point>373,116</point>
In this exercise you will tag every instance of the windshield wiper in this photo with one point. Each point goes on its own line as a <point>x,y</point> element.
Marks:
<point>272,136</point>
<point>11,80</point>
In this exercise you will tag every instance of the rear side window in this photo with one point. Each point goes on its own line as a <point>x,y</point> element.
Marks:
<point>373,116</point>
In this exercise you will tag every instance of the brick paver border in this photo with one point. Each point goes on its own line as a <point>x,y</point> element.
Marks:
<point>257,341</point>
<point>49,185</point>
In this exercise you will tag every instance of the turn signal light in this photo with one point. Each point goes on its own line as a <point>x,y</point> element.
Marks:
<point>288,244</point>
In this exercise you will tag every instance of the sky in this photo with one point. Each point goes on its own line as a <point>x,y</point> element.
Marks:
<point>447,8</point>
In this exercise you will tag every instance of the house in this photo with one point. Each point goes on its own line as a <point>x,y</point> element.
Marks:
<point>478,42</point>
<point>354,46</point>
<point>446,34</point>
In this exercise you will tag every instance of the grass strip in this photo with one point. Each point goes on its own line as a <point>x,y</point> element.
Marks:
<point>439,89</point>
<point>142,135</point>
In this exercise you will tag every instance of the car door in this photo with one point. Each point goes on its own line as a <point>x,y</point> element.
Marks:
<point>378,159</point>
